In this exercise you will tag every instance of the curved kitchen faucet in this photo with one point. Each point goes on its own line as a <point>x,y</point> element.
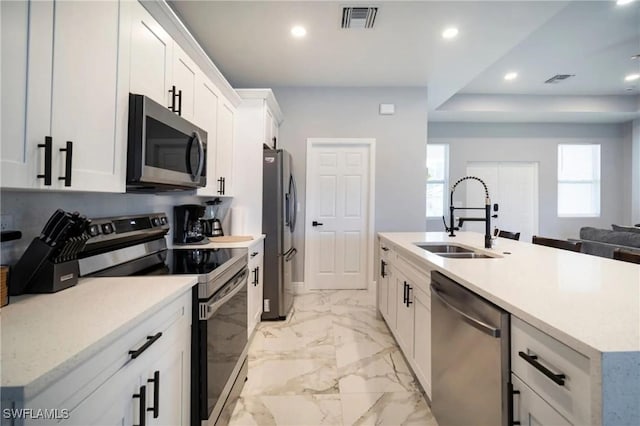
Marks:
<point>486,208</point>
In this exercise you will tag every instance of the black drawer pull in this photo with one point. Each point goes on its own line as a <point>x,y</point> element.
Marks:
<point>383,271</point>
<point>67,164</point>
<point>385,248</point>
<point>532,359</point>
<point>48,148</point>
<point>150,341</point>
<point>156,394</point>
<point>142,395</point>
<point>254,254</point>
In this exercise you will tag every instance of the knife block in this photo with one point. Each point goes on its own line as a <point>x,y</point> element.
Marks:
<point>37,271</point>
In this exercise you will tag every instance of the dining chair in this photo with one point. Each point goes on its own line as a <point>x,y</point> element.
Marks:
<point>509,235</point>
<point>626,256</point>
<point>561,244</point>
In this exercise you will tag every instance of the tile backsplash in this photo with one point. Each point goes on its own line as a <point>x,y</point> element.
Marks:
<point>30,210</point>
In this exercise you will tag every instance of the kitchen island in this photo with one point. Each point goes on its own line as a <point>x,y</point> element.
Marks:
<point>590,304</point>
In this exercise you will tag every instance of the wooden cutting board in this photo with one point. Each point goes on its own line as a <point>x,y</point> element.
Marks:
<point>231,239</point>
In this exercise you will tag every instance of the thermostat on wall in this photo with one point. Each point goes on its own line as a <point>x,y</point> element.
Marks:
<point>387,109</point>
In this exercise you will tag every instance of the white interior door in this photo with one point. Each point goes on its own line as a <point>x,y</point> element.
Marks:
<point>338,199</point>
<point>514,186</point>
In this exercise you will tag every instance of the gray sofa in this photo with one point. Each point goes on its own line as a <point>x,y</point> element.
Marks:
<point>602,242</point>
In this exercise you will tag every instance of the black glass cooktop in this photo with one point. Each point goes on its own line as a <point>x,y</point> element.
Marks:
<point>199,261</point>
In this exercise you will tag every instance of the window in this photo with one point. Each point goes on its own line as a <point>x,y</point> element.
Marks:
<point>437,176</point>
<point>578,180</point>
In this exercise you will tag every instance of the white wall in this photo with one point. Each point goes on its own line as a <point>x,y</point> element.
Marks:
<point>30,210</point>
<point>635,172</point>
<point>353,112</point>
<point>538,142</point>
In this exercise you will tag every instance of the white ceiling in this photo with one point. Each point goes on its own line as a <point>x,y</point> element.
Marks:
<point>250,42</point>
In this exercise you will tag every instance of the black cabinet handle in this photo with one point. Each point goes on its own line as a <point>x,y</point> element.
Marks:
<point>254,254</point>
<point>315,223</point>
<point>172,106</point>
<point>150,341</point>
<point>274,142</point>
<point>156,394</point>
<point>179,111</point>
<point>385,248</point>
<point>255,276</point>
<point>510,409</point>
<point>48,151</point>
<point>383,272</point>
<point>142,396</point>
<point>404,294</point>
<point>224,185</point>
<point>220,190</point>
<point>67,164</point>
<point>558,379</point>
<point>409,289</point>
<point>258,276</point>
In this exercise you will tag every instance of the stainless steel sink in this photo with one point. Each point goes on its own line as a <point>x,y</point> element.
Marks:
<point>464,255</point>
<point>444,248</point>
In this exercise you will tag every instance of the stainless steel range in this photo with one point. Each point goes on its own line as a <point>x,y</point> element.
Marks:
<point>135,245</point>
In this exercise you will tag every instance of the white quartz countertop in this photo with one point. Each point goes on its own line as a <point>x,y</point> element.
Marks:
<point>46,335</point>
<point>210,245</point>
<point>590,303</point>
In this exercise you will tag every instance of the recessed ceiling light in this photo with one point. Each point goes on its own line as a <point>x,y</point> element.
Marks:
<point>298,31</point>
<point>511,76</point>
<point>623,2</point>
<point>450,32</point>
<point>632,77</point>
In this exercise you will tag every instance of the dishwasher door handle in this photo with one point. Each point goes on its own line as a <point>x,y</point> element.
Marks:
<point>476,323</point>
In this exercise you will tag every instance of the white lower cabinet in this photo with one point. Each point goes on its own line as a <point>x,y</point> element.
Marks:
<point>531,410</point>
<point>405,304</point>
<point>150,389</point>
<point>256,287</point>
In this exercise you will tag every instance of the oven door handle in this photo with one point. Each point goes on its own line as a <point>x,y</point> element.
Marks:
<point>208,309</point>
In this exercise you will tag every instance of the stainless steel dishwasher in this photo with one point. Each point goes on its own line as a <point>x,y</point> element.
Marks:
<point>470,357</point>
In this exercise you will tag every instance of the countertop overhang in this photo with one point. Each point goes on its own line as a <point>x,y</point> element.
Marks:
<point>590,303</point>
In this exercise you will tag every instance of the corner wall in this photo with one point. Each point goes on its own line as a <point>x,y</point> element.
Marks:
<point>493,142</point>
<point>400,194</point>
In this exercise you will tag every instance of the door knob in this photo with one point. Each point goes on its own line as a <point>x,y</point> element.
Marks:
<point>315,223</point>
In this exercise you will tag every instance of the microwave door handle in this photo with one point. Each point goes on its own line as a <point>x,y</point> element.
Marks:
<point>187,156</point>
<point>201,158</point>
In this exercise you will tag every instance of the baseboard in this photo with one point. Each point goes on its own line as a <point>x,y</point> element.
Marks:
<point>298,287</point>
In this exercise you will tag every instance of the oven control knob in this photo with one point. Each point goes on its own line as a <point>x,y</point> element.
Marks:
<point>94,230</point>
<point>155,221</point>
<point>107,228</point>
<point>163,219</point>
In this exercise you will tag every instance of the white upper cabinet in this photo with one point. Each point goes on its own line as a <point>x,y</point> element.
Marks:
<point>86,100</point>
<point>69,132</point>
<point>206,116</point>
<point>224,151</point>
<point>185,76</point>
<point>151,53</point>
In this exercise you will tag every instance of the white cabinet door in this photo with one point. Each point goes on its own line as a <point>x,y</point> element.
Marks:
<point>113,403</point>
<point>404,322</point>
<point>422,338</point>
<point>224,157</point>
<point>256,290</point>
<point>531,410</point>
<point>86,102</point>
<point>206,116</point>
<point>167,387</point>
<point>392,302</point>
<point>185,76</point>
<point>151,53</point>
<point>23,52</point>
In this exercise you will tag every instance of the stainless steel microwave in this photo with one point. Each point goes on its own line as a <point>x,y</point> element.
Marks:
<point>165,152</point>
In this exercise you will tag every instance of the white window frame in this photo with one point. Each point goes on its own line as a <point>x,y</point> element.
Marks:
<point>593,181</point>
<point>444,182</point>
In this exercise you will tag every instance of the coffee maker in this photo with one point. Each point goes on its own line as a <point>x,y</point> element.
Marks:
<point>211,221</point>
<point>188,228</point>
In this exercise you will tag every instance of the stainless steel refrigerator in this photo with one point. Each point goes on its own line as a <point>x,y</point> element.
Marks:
<point>279,205</point>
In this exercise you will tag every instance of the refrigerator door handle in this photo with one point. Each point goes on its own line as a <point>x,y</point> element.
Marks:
<point>294,201</point>
<point>291,255</point>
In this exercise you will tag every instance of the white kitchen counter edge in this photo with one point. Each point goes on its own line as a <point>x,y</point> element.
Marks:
<point>30,380</point>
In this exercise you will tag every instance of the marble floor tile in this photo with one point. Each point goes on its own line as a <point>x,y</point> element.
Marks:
<point>313,301</point>
<point>392,409</point>
<point>352,298</point>
<point>294,410</point>
<point>291,377</point>
<point>383,371</point>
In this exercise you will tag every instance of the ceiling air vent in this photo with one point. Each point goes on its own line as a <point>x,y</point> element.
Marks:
<point>558,78</point>
<point>359,17</point>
